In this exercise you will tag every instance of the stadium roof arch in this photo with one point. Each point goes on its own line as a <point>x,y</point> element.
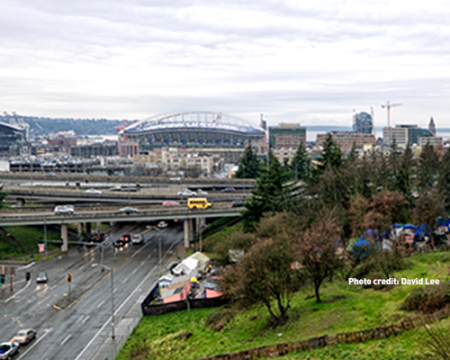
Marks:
<point>194,120</point>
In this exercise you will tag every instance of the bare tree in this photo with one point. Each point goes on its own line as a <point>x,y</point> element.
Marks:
<point>319,249</point>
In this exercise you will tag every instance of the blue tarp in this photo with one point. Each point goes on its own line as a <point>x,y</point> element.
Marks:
<point>362,248</point>
<point>409,227</point>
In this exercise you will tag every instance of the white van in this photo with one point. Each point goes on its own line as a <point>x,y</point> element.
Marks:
<point>137,239</point>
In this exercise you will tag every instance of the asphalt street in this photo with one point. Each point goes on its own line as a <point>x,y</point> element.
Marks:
<point>77,332</point>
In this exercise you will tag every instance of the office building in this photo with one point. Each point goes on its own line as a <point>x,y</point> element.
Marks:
<point>285,136</point>
<point>405,135</point>
<point>345,139</point>
<point>362,123</point>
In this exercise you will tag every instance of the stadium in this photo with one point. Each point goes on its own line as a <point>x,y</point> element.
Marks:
<point>10,135</point>
<point>199,129</point>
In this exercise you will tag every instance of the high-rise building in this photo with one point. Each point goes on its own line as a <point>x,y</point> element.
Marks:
<point>404,135</point>
<point>362,123</point>
<point>432,127</point>
<point>346,139</point>
<point>285,136</point>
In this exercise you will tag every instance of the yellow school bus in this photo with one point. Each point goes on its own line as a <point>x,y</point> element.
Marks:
<point>198,203</point>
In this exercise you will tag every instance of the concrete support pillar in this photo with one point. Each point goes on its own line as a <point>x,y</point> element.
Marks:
<point>20,202</point>
<point>88,230</point>
<point>80,230</point>
<point>186,233</point>
<point>99,227</point>
<point>65,245</point>
<point>191,229</point>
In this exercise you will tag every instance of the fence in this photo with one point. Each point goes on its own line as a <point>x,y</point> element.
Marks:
<point>325,340</point>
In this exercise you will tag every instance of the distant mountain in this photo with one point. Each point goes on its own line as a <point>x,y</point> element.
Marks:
<point>45,126</point>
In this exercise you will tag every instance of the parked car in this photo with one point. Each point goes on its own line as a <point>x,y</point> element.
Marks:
<point>162,224</point>
<point>201,192</point>
<point>128,210</point>
<point>50,175</point>
<point>187,192</point>
<point>229,190</point>
<point>175,179</point>
<point>237,204</point>
<point>93,191</point>
<point>170,203</point>
<point>126,238</point>
<point>24,336</point>
<point>8,350</point>
<point>42,278</point>
<point>64,209</point>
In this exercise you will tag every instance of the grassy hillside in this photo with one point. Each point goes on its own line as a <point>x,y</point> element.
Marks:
<point>28,237</point>
<point>344,308</point>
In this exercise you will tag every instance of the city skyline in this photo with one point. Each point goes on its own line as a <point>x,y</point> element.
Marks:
<point>314,65</point>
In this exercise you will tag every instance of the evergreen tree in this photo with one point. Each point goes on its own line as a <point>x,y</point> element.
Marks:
<point>428,168</point>
<point>394,157</point>
<point>249,165</point>
<point>301,164</point>
<point>269,195</point>
<point>404,174</point>
<point>331,155</point>
<point>444,179</point>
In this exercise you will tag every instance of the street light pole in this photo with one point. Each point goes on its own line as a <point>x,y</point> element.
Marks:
<point>113,335</point>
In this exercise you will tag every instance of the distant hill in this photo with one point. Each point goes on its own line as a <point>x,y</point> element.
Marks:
<point>44,125</point>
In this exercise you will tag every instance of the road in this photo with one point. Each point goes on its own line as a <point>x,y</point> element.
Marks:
<point>77,332</point>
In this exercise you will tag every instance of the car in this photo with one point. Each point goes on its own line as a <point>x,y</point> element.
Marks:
<point>201,192</point>
<point>126,238</point>
<point>42,278</point>
<point>64,209</point>
<point>98,237</point>
<point>8,350</point>
<point>162,224</point>
<point>93,191</point>
<point>50,175</point>
<point>187,192</point>
<point>119,243</point>
<point>128,210</point>
<point>229,190</point>
<point>170,203</point>
<point>175,179</point>
<point>237,204</point>
<point>137,239</point>
<point>116,188</point>
<point>24,336</point>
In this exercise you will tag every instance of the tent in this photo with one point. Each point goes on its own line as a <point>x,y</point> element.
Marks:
<point>362,248</point>
<point>188,266</point>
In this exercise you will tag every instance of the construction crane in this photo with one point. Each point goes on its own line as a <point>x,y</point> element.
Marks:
<point>388,107</point>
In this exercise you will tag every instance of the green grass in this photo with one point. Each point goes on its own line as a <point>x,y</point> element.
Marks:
<point>355,309</point>
<point>28,237</point>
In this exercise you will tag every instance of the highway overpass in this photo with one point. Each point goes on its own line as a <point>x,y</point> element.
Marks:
<point>67,195</point>
<point>22,217</point>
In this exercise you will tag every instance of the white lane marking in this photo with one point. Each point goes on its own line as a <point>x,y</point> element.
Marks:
<point>47,331</point>
<point>142,263</point>
<point>67,338</point>
<point>120,307</point>
<point>154,250</point>
<point>115,290</point>
<point>85,319</point>
<point>27,266</point>
<point>51,288</point>
<point>101,304</point>
<point>134,271</point>
<point>12,297</point>
<point>124,281</point>
<point>142,248</point>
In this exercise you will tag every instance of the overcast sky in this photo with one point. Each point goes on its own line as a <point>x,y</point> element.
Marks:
<point>313,62</point>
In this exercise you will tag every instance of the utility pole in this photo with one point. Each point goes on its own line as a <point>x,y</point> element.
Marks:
<point>388,107</point>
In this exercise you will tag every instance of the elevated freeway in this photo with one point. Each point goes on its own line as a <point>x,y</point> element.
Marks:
<point>149,196</point>
<point>23,217</point>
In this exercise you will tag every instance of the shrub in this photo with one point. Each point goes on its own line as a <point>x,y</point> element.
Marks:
<point>219,318</point>
<point>428,298</point>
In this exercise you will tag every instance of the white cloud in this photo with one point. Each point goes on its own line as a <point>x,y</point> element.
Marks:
<point>311,63</point>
